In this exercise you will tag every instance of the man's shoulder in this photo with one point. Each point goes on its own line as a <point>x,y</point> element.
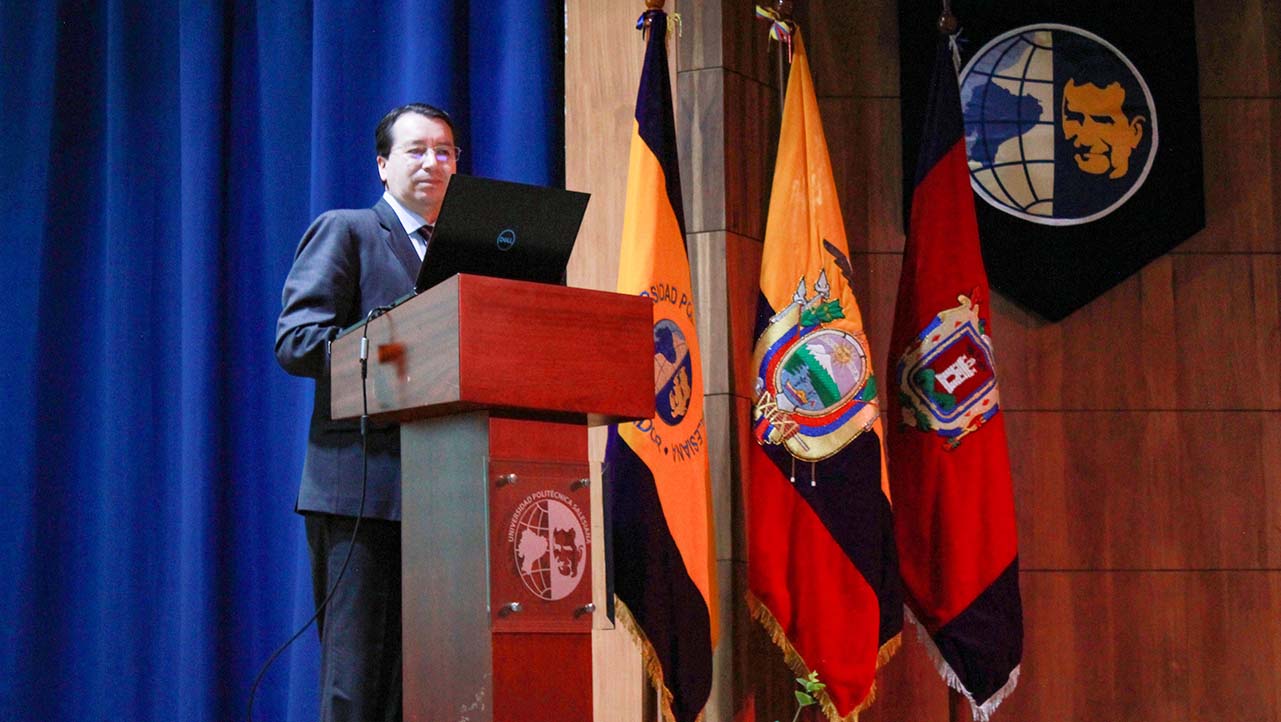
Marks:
<point>348,216</point>
<point>346,221</point>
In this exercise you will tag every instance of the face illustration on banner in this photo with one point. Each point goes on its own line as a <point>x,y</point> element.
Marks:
<point>1094,119</point>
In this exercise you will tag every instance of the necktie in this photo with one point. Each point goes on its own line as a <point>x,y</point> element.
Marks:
<point>423,237</point>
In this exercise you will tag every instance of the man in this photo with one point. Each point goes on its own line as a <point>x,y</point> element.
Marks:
<point>348,262</point>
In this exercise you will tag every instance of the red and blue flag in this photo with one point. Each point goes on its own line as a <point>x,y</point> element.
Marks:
<point>953,497</point>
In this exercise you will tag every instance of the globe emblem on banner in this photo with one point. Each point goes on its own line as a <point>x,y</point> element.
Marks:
<point>673,372</point>
<point>1060,127</point>
<point>550,546</point>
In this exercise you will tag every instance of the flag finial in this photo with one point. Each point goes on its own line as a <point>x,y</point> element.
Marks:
<point>653,9</point>
<point>948,24</point>
<point>779,15</point>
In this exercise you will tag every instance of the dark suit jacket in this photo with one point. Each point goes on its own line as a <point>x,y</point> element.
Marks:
<point>348,262</point>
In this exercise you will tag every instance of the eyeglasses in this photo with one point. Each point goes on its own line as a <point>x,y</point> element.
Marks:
<point>441,153</point>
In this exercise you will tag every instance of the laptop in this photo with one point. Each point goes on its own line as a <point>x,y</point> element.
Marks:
<point>502,229</point>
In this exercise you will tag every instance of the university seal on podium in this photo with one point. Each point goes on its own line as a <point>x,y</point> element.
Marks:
<point>548,534</point>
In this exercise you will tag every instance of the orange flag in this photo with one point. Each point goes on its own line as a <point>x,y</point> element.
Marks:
<point>823,577</point>
<point>658,490</point>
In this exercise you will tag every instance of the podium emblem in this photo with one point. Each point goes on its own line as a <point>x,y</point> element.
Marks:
<point>549,535</point>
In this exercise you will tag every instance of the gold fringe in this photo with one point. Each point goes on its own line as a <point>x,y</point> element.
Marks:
<point>649,658</point>
<point>888,650</point>
<point>762,614</point>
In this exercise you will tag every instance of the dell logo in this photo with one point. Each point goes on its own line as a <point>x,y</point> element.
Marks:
<point>506,239</point>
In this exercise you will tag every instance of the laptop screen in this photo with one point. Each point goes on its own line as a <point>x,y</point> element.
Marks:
<point>502,229</point>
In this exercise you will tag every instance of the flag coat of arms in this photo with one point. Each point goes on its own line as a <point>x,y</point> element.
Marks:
<point>821,557</point>
<point>950,472</point>
<point>657,486</point>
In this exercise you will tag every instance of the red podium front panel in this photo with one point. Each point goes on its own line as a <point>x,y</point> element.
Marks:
<point>494,383</point>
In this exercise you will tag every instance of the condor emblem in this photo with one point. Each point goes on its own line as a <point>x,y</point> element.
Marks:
<point>814,389</point>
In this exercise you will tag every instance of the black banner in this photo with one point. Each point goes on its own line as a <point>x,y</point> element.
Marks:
<point>1083,133</point>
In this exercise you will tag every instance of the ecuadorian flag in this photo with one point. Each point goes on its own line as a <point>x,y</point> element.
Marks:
<point>822,573</point>
<point>657,488</point>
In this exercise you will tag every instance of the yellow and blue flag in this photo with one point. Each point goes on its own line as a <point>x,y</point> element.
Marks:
<point>657,487</point>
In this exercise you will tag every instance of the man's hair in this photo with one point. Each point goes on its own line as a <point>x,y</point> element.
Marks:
<point>1090,64</point>
<point>382,134</point>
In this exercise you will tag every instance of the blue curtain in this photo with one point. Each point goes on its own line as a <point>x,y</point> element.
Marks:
<point>160,162</point>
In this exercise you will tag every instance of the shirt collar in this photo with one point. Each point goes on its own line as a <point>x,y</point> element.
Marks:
<point>410,220</point>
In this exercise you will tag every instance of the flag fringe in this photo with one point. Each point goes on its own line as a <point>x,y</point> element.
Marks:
<point>765,617</point>
<point>649,659</point>
<point>981,713</point>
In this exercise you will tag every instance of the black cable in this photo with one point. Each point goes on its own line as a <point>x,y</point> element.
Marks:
<point>364,484</point>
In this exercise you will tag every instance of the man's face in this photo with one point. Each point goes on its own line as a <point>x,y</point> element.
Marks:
<point>566,552</point>
<point>1094,122</point>
<point>413,171</point>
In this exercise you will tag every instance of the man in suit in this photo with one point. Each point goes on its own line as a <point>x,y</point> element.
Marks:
<point>349,262</point>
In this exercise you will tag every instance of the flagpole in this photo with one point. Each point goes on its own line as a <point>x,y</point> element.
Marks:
<point>651,5</point>
<point>957,706</point>
<point>948,24</point>
<point>783,9</point>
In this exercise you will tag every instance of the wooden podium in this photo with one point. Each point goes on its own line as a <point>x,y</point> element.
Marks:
<point>494,383</point>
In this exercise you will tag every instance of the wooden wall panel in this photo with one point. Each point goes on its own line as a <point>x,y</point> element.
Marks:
<point>1189,331</point>
<point>1239,48</point>
<point>906,687</point>
<point>1143,490</point>
<point>1149,646</point>
<point>1241,140</point>
<point>1226,316</point>
<point>751,142</point>
<point>747,49</point>
<point>742,276</point>
<point>1145,429</point>
<point>603,54</point>
<point>1234,645</point>
<point>700,99</point>
<point>707,257</point>
<point>881,175</point>
<point>1270,444</point>
<point>876,287</point>
<point>853,47</point>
